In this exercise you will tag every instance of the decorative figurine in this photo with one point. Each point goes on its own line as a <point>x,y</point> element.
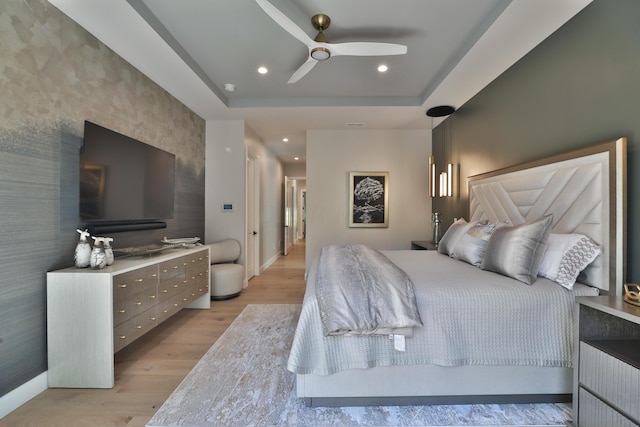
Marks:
<point>108,251</point>
<point>98,257</point>
<point>82,255</point>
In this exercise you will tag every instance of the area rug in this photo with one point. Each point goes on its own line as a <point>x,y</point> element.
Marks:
<point>242,380</point>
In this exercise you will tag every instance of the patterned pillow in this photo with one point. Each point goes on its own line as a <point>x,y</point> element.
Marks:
<point>453,234</point>
<point>472,245</point>
<point>516,251</point>
<point>566,256</point>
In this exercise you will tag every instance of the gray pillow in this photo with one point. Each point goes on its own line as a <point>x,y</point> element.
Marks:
<point>471,246</point>
<point>453,235</point>
<point>517,251</point>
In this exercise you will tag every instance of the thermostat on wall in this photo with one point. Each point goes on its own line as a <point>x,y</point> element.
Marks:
<point>227,207</point>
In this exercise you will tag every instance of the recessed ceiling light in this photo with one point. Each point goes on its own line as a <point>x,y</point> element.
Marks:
<point>285,139</point>
<point>382,68</point>
<point>296,158</point>
<point>263,70</point>
<point>229,87</point>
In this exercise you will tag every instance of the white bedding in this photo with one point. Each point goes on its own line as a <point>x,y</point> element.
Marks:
<point>470,317</point>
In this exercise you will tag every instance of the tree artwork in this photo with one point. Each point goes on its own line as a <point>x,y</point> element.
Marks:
<point>368,199</point>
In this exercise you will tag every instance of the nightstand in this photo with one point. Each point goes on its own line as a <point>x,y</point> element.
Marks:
<point>606,384</point>
<point>423,245</point>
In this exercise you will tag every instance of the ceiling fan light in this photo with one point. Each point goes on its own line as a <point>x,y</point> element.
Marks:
<point>320,53</point>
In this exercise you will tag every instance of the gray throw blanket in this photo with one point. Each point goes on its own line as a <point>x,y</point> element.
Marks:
<point>360,291</point>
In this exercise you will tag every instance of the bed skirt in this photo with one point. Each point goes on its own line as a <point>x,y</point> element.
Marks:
<point>431,384</point>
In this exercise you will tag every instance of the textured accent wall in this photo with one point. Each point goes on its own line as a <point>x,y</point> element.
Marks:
<point>578,88</point>
<point>53,76</point>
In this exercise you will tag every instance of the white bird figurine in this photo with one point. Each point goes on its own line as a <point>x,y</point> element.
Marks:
<point>82,255</point>
<point>98,257</point>
<point>108,251</point>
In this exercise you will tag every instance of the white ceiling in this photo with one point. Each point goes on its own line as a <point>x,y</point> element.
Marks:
<point>192,48</point>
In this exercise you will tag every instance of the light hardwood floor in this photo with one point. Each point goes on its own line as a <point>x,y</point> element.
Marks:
<point>148,370</point>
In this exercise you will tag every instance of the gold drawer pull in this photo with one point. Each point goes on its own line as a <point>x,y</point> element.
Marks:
<point>175,305</point>
<point>164,291</point>
<point>154,275</point>
<point>123,337</point>
<point>152,318</point>
<point>152,296</point>
<point>122,285</point>
<point>139,280</point>
<point>175,267</point>
<point>165,311</point>
<point>138,326</point>
<point>122,310</point>
<point>193,260</point>
<point>165,270</point>
<point>176,285</point>
<point>184,299</point>
<point>185,281</point>
<point>138,302</point>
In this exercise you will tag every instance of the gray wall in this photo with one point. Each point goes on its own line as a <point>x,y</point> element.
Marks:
<point>53,76</point>
<point>579,87</point>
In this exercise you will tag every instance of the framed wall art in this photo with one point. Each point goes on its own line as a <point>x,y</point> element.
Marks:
<point>368,199</point>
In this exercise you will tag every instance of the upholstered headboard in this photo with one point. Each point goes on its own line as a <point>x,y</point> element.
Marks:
<point>585,190</point>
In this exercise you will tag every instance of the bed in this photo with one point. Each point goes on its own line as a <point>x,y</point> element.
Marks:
<point>486,336</point>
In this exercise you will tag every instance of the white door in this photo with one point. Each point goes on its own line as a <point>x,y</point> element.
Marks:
<point>253,238</point>
<point>287,208</point>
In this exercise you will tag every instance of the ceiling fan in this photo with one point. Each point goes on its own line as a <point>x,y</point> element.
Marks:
<point>319,48</point>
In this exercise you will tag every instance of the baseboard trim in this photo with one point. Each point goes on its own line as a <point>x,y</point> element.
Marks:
<point>269,262</point>
<point>21,395</point>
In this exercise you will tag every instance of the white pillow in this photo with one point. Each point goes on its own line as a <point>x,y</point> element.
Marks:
<point>453,234</point>
<point>472,245</point>
<point>566,256</point>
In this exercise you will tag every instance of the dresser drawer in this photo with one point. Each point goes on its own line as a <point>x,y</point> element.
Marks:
<point>126,309</point>
<point>595,413</point>
<point>133,329</point>
<point>197,263</point>
<point>170,307</point>
<point>195,292</point>
<point>133,282</point>
<point>169,288</point>
<point>172,268</point>
<point>611,378</point>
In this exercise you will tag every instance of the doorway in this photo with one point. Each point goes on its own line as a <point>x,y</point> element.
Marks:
<point>252,238</point>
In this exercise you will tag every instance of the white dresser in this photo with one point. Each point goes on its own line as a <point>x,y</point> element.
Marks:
<point>91,314</point>
<point>607,367</point>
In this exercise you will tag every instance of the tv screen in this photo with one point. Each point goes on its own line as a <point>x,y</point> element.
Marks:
<point>123,180</point>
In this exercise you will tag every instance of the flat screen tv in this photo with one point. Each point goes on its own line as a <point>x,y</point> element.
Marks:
<point>125,184</point>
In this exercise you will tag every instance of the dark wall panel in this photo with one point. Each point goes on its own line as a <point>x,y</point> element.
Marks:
<point>579,87</point>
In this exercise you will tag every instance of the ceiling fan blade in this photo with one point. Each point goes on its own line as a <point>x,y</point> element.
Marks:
<point>367,49</point>
<point>303,70</point>
<point>287,24</point>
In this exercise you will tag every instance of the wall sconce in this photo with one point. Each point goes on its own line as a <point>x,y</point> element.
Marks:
<point>432,176</point>
<point>446,182</point>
